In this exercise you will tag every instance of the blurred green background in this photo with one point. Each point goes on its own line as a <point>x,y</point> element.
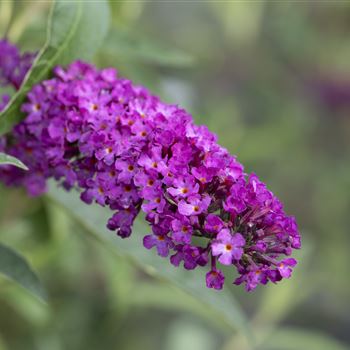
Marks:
<point>272,79</point>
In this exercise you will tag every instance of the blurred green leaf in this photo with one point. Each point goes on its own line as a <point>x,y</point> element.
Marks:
<point>31,309</point>
<point>162,295</point>
<point>186,334</point>
<point>5,16</point>
<point>15,267</point>
<point>274,304</point>
<point>75,31</point>
<point>298,339</point>
<point>2,344</point>
<point>9,160</point>
<point>123,44</point>
<point>223,304</point>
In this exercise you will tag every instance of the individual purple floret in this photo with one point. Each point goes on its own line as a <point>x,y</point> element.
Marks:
<point>125,149</point>
<point>215,279</point>
<point>227,246</point>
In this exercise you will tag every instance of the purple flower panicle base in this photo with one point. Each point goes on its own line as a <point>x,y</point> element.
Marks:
<point>13,65</point>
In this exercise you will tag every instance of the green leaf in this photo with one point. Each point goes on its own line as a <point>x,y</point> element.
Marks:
<point>222,304</point>
<point>15,267</point>
<point>297,339</point>
<point>9,160</point>
<point>75,31</point>
<point>123,44</point>
<point>183,333</point>
<point>275,305</point>
<point>163,295</point>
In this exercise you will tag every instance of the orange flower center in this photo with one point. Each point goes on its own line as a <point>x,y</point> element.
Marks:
<point>37,107</point>
<point>228,247</point>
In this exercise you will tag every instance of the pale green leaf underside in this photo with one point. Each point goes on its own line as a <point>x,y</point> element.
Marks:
<point>16,268</point>
<point>75,31</point>
<point>94,219</point>
<point>5,159</point>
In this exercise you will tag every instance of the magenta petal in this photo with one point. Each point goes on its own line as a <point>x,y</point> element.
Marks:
<point>185,208</point>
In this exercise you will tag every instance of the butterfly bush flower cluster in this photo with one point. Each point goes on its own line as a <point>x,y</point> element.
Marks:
<point>126,150</point>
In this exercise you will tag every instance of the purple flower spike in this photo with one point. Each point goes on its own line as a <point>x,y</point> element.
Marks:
<point>126,150</point>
